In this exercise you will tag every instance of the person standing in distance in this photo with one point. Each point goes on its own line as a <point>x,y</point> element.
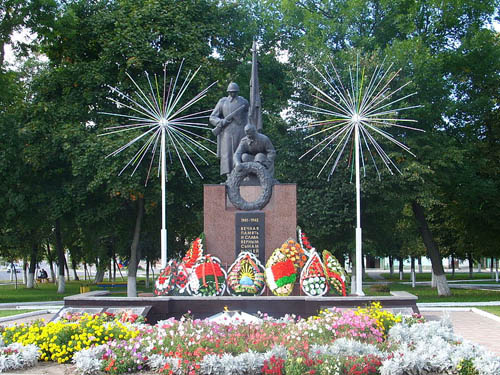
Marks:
<point>229,117</point>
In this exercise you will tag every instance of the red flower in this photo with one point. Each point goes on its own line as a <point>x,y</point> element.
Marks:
<point>283,269</point>
<point>208,269</point>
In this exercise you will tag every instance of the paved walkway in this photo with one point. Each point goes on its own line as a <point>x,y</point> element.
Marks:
<point>472,326</point>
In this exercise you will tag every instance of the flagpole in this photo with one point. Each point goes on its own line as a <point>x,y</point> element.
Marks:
<point>255,113</point>
<point>163,202</point>
<point>359,254</point>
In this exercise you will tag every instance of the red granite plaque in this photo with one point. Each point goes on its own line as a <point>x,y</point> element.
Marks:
<point>220,219</point>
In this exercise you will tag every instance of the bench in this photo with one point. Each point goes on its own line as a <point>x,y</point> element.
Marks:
<point>112,284</point>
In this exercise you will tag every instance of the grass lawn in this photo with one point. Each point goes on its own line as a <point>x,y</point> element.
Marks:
<point>48,292</point>
<point>42,292</point>
<point>428,294</point>
<point>491,309</point>
<point>426,276</point>
<point>4,313</point>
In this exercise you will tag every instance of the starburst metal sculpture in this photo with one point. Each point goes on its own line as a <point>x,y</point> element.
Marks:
<point>161,117</point>
<point>357,114</point>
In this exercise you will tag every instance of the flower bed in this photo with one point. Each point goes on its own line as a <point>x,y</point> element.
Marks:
<point>58,341</point>
<point>16,356</point>
<point>366,341</point>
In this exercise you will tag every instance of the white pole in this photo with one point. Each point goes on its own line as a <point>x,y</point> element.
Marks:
<point>359,256</point>
<point>163,202</point>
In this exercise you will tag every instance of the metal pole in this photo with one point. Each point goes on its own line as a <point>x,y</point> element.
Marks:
<point>163,202</point>
<point>359,256</point>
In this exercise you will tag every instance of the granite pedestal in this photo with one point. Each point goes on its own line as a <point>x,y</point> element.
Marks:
<point>280,217</point>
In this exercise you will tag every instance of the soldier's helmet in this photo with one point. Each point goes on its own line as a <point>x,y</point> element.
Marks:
<point>233,87</point>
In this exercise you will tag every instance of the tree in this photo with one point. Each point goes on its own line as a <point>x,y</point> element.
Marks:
<point>419,38</point>
<point>18,14</point>
<point>101,42</point>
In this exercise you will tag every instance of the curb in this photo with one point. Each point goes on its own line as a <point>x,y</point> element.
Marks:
<point>24,305</point>
<point>456,304</point>
<point>24,315</point>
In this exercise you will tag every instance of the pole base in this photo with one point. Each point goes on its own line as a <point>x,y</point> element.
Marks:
<point>163,248</point>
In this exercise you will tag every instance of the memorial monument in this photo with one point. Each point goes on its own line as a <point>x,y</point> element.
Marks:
<point>229,117</point>
<point>250,211</point>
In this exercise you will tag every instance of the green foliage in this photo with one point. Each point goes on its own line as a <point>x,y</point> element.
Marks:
<point>466,367</point>
<point>450,55</point>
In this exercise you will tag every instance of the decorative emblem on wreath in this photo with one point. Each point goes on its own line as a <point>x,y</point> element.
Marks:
<point>280,274</point>
<point>237,176</point>
<point>246,276</point>
<point>207,278</point>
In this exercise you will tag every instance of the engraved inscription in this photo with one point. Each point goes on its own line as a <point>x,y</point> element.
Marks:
<point>250,233</point>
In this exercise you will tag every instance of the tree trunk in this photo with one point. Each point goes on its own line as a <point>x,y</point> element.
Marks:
<point>13,273</point>
<point>74,266</point>
<point>479,266</point>
<point>99,271</point>
<point>413,276</point>
<point>30,282</point>
<point>432,249</point>
<point>51,263</point>
<point>114,266</point>
<point>433,280</point>
<point>25,272</point>
<point>99,276</point>
<point>452,266</point>
<point>492,260</point>
<point>132,266</point>
<point>66,266</point>
<point>420,270</point>
<point>147,273</point>
<point>119,270</point>
<point>496,270</point>
<point>61,259</point>
<point>401,268</point>
<point>391,265</point>
<point>471,265</point>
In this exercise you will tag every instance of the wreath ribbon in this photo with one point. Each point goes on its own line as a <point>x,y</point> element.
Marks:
<point>337,277</point>
<point>209,260</point>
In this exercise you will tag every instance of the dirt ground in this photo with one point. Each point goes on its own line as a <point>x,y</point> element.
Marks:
<point>45,368</point>
<point>51,368</point>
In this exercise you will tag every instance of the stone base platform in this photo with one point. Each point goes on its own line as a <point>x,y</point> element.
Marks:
<point>203,307</point>
<point>220,219</point>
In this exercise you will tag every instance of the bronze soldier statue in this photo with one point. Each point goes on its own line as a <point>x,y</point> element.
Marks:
<point>255,147</point>
<point>229,118</point>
